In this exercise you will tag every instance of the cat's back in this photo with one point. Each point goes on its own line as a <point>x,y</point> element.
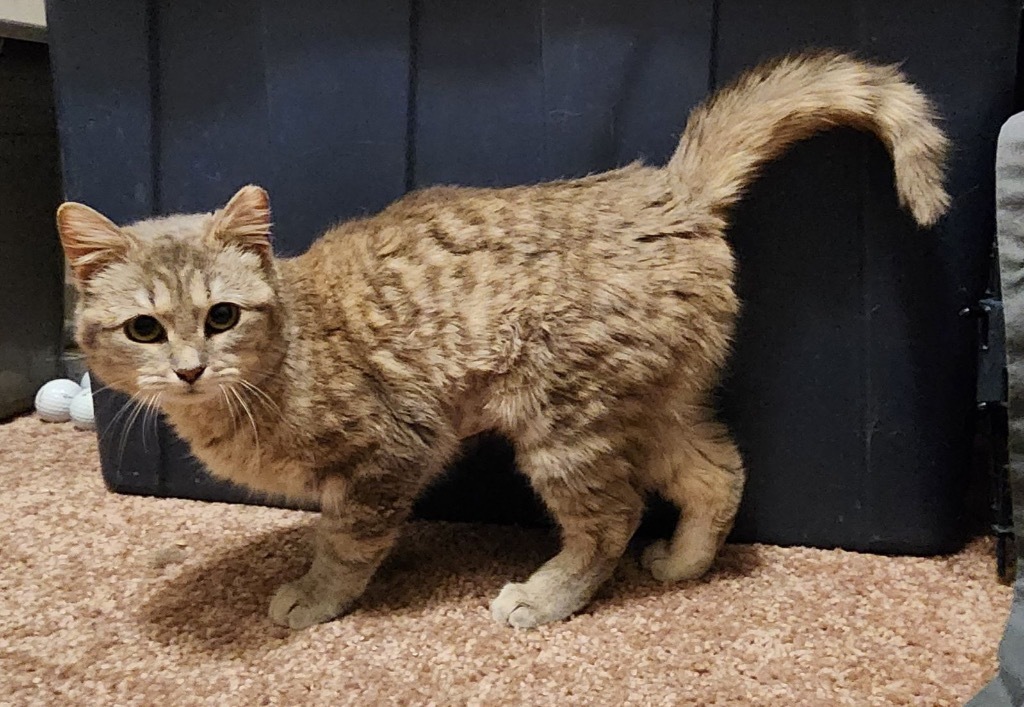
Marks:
<point>606,215</point>
<point>453,269</point>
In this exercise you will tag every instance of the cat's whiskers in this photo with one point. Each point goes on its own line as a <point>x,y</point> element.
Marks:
<point>152,412</point>
<point>262,397</point>
<point>67,356</point>
<point>132,400</point>
<point>231,408</point>
<point>140,404</point>
<point>115,385</point>
<point>252,421</point>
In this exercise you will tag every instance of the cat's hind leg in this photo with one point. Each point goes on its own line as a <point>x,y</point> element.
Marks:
<point>697,466</point>
<point>589,489</point>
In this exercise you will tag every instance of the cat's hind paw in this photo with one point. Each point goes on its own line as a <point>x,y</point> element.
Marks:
<point>665,566</point>
<point>296,607</point>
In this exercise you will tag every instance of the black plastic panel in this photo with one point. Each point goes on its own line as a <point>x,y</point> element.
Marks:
<point>31,265</point>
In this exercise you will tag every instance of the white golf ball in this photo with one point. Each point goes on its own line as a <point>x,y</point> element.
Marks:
<point>81,410</point>
<point>53,401</point>
<point>86,381</point>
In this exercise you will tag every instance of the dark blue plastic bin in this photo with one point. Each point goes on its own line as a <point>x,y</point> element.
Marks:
<point>852,384</point>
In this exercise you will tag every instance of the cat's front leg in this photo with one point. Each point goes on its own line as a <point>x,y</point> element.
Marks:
<point>357,527</point>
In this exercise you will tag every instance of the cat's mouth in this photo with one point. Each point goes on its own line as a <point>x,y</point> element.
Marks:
<point>174,394</point>
<point>204,388</point>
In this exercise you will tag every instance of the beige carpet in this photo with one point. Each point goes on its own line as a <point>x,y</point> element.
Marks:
<point>108,599</point>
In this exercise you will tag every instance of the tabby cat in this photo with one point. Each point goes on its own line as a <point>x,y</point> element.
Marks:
<point>585,319</point>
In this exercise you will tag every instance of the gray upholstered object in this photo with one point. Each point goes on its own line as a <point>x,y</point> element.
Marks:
<point>1007,688</point>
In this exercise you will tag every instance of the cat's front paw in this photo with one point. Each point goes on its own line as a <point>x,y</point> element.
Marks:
<point>300,605</point>
<point>520,606</point>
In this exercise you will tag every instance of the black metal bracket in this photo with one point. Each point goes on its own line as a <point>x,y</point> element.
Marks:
<point>992,424</point>
<point>991,349</point>
<point>993,421</point>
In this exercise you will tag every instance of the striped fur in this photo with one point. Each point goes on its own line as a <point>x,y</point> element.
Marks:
<point>586,319</point>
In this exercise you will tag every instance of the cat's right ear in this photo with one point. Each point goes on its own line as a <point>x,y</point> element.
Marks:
<point>91,241</point>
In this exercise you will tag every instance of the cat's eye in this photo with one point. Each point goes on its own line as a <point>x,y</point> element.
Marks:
<point>144,329</point>
<point>222,317</point>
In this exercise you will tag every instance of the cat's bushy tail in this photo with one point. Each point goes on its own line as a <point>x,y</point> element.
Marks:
<point>736,131</point>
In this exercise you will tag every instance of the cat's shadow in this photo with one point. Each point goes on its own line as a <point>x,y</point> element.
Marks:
<point>219,606</point>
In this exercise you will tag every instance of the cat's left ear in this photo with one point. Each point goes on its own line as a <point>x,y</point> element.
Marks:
<point>245,222</point>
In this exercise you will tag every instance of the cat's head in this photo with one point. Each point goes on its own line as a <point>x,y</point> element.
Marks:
<point>180,305</point>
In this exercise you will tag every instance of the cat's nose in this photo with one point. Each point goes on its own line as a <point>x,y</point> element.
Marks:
<point>190,375</point>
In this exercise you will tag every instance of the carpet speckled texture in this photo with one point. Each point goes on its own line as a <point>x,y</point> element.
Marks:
<point>117,600</point>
